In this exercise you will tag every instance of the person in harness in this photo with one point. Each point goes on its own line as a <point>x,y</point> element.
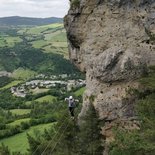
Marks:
<point>71,105</point>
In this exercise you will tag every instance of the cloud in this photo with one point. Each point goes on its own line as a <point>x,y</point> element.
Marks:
<point>34,8</point>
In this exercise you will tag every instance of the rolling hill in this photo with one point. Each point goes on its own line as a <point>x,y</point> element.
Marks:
<point>32,49</point>
<point>16,21</point>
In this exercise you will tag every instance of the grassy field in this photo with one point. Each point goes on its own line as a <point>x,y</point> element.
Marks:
<point>20,112</point>
<point>13,83</point>
<point>47,98</point>
<point>80,91</point>
<point>39,43</point>
<point>50,35</point>
<point>60,37</point>
<point>23,74</point>
<point>9,41</point>
<point>59,44</point>
<point>50,38</point>
<point>18,122</point>
<point>22,31</point>
<point>41,29</point>
<point>19,142</point>
<point>39,90</point>
<point>52,49</point>
<point>2,42</point>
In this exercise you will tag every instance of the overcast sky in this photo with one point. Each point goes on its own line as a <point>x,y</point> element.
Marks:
<point>34,8</point>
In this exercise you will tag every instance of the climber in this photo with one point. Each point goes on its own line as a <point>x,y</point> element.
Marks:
<point>71,105</point>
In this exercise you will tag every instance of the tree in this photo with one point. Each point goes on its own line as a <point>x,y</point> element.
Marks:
<point>4,150</point>
<point>90,138</point>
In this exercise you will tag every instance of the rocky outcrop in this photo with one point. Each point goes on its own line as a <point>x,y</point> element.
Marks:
<point>113,42</point>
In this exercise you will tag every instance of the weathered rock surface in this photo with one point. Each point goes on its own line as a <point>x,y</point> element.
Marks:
<point>113,42</point>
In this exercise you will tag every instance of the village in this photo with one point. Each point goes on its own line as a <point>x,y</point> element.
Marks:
<point>39,85</point>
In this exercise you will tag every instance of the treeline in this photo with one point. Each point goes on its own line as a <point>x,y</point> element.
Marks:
<point>5,117</point>
<point>7,30</point>
<point>5,80</point>
<point>25,56</point>
<point>47,112</point>
<point>67,138</point>
<point>8,101</point>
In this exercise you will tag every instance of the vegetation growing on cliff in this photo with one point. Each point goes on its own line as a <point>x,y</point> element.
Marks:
<point>140,142</point>
<point>66,138</point>
<point>75,3</point>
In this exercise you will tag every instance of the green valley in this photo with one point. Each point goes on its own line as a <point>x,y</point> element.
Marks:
<point>35,78</point>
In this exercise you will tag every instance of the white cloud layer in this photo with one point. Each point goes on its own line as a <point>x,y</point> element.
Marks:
<point>34,8</point>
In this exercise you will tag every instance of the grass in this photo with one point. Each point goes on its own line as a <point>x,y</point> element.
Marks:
<point>9,41</point>
<point>18,122</point>
<point>39,90</point>
<point>56,50</point>
<point>149,81</point>
<point>139,141</point>
<point>13,83</point>
<point>20,112</point>
<point>80,91</point>
<point>50,38</point>
<point>39,43</point>
<point>51,34</point>
<point>12,40</point>
<point>2,42</point>
<point>19,142</point>
<point>59,44</point>
<point>51,46</point>
<point>61,37</point>
<point>23,74</point>
<point>47,98</point>
<point>41,29</point>
<point>22,31</point>
<point>75,3</point>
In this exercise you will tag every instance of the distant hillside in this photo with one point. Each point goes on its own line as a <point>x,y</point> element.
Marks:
<point>16,20</point>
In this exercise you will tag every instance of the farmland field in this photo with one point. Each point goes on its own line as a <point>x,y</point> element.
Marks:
<point>2,42</point>
<point>13,83</point>
<point>41,29</point>
<point>39,90</point>
<point>20,111</point>
<point>12,40</point>
<point>18,122</point>
<point>19,142</point>
<point>39,43</point>
<point>30,54</point>
<point>49,38</point>
<point>80,91</point>
<point>23,74</point>
<point>9,41</point>
<point>47,98</point>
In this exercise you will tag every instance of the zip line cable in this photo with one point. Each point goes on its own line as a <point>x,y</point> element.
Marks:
<point>59,139</point>
<point>54,110</point>
<point>54,135</point>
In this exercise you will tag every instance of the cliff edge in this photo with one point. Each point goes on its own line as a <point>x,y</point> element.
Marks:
<point>113,42</point>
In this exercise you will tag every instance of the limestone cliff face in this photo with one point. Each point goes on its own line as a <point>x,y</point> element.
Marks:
<point>113,42</point>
